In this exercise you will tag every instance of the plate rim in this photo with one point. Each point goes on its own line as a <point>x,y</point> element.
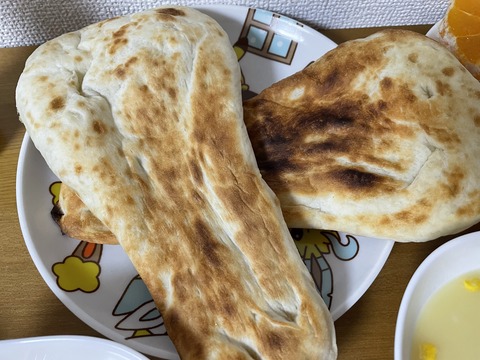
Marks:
<point>112,346</point>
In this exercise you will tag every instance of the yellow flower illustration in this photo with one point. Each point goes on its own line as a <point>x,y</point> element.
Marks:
<point>75,274</point>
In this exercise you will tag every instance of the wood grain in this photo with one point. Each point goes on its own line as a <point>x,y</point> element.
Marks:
<point>29,308</point>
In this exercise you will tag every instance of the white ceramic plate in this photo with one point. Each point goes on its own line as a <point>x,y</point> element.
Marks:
<point>66,347</point>
<point>433,33</point>
<point>99,284</point>
<point>448,262</point>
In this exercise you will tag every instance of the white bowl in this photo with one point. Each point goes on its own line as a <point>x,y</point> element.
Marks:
<point>70,347</point>
<point>449,261</point>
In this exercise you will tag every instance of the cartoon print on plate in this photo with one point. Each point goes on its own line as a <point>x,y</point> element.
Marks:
<point>313,245</point>
<point>79,271</point>
<point>261,29</point>
<point>260,35</point>
<point>140,315</point>
<point>54,190</point>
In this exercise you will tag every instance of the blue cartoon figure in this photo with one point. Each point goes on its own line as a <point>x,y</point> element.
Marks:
<point>138,311</point>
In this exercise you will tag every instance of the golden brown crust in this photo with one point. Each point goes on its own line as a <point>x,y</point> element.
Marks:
<point>76,221</point>
<point>150,136</point>
<point>377,138</point>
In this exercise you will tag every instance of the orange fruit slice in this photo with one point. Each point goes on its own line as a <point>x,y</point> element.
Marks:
<point>470,6</point>
<point>462,23</point>
<point>460,31</point>
<point>470,48</point>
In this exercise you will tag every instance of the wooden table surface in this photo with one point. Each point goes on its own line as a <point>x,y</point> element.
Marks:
<point>28,307</point>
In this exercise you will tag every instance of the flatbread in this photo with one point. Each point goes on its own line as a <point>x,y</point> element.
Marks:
<point>141,116</point>
<point>379,137</point>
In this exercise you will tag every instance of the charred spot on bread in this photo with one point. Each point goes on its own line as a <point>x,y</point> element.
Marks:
<point>99,127</point>
<point>117,44</point>
<point>443,88</point>
<point>448,71</point>
<point>78,169</point>
<point>171,11</point>
<point>275,340</point>
<point>413,57</point>
<point>335,117</point>
<point>277,166</point>
<point>333,145</point>
<point>57,214</point>
<point>196,172</point>
<point>57,103</point>
<point>386,83</point>
<point>207,244</point>
<point>355,178</point>
<point>476,120</point>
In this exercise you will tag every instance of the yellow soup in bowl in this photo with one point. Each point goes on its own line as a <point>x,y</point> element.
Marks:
<point>448,326</point>
<point>440,310</point>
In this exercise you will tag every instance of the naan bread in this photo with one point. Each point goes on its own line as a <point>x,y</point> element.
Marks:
<point>142,117</point>
<point>380,137</point>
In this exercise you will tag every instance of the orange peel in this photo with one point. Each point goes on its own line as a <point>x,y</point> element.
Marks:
<point>460,32</point>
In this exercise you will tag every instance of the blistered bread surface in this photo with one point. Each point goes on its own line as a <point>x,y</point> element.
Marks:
<point>379,137</point>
